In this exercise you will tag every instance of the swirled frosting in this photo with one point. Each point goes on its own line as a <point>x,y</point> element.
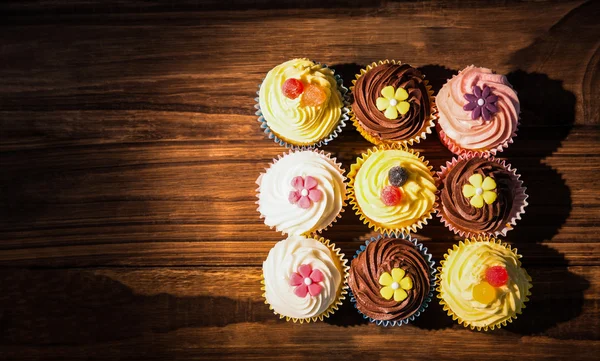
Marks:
<point>284,259</point>
<point>288,118</point>
<point>418,193</point>
<point>368,88</point>
<point>382,256</point>
<point>465,268</point>
<point>275,186</point>
<point>477,134</point>
<point>456,207</point>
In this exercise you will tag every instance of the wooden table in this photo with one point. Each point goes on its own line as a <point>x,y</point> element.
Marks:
<point>129,150</point>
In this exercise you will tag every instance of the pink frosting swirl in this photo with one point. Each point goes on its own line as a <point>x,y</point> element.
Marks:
<point>478,134</point>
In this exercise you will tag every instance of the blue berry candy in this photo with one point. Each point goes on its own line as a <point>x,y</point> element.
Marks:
<point>398,176</point>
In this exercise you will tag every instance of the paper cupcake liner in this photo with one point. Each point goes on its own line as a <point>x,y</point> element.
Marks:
<point>341,293</point>
<point>330,159</point>
<point>344,117</point>
<point>517,210</point>
<point>440,278</point>
<point>354,168</point>
<point>427,125</point>
<point>432,280</point>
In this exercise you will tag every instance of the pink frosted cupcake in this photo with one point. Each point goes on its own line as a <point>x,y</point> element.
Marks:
<point>478,112</point>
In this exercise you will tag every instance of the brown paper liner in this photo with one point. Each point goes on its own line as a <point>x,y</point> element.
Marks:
<point>427,125</point>
<point>329,158</point>
<point>440,279</point>
<point>341,294</point>
<point>517,210</point>
<point>354,168</point>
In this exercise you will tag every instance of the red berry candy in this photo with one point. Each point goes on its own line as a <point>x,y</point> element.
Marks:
<point>292,88</point>
<point>391,196</point>
<point>496,276</point>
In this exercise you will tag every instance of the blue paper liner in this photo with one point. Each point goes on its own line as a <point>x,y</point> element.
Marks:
<point>334,134</point>
<point>432,279</point>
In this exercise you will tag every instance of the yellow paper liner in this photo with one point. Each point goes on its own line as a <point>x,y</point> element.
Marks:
<point>427,124</point>
<point>378,227</point>
<point>330,159</point>
<point>341,293</point>
<point>517,210</point>
<point>440,279</point>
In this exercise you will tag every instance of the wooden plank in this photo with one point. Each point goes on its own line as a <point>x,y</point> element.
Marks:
<point>208,311</point>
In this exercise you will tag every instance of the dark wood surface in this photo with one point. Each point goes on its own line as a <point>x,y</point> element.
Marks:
<point>129,150</point>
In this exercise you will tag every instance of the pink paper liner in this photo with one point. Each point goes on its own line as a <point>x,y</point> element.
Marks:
<point>332,161</point>
<point>456,149</point>
<point>517,210</point>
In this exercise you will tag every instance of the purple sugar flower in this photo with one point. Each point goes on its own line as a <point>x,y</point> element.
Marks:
<point>481,103</point>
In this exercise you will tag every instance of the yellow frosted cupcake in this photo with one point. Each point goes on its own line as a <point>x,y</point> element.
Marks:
<point>482,284</point>
<point>302,103</point>
<point>392,188</point>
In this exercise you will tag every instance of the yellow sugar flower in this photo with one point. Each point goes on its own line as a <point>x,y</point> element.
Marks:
<point>395,285</point>
<point>393,102</point>
<point>480,190</point>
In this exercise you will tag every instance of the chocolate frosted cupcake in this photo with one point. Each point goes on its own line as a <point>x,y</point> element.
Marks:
<point>480,196</point>
<point>392,279</point>
<point>392,103</point>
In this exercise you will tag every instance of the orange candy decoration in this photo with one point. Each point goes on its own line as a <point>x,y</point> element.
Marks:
<point>313,96</point>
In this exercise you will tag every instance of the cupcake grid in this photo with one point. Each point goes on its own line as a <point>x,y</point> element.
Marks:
<point>393,190</point>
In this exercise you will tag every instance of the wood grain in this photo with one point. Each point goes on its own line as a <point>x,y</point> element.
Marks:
<point>129,150</point>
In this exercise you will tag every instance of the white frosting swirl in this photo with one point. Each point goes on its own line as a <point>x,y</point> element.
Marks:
<point>284,259</point>
<point>276,184</point>
<point>457,123</point>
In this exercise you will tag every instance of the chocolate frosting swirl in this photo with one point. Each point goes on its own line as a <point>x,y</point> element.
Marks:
<point>368,88</point>
<point>382,256</point>
<point>458,210</point>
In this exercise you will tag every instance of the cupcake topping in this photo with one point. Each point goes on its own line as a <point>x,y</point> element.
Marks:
<point>313,96</point>
<point>305,192</point>
<point>391,195</point>
<point>481,103</point>
<point>480,190</point>
<point>496,276</point>
<point>395,285</point>
<point>292,88</point>
<point>484,293</point>
<point>306,281</point>
<point>398,176</point>
<point>393,102</point>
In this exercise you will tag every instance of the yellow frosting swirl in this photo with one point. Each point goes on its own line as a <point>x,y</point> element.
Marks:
<point>418,193</point>
<point>288,118</point>
<point>465,267</point>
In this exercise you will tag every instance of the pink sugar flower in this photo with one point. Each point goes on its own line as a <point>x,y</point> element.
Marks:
<point>306,281</point>
<point>305,192</point>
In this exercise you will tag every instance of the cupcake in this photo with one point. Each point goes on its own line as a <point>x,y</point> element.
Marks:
<point>392,104</point>
<point>480,196</point>
<point>301,103</point>
<point>301,192</point>
<point>392,188</point>
<point>482,284</point>
<point>304,279</point>
<point>478,112</point>
<point>392,279</point>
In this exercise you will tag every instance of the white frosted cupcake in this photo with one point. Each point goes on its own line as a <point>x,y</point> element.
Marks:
<point>304,279</point>
<point>301,192</point>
